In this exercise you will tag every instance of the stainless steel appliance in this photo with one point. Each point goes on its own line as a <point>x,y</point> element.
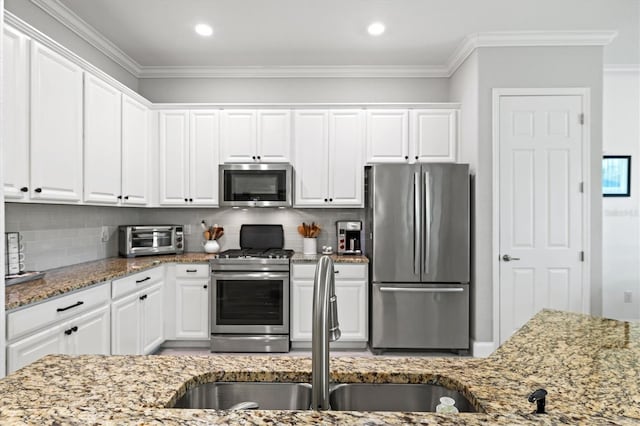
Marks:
<point>250,293</point>
<point>135,240</point>
<point>256,185</point>
<point>350,236</point>
<point>418,218</point>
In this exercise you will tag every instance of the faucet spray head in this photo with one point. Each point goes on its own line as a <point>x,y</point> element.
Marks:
<point>334,325</point>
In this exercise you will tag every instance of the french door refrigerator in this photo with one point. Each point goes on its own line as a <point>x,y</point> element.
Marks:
<point>418,239</point>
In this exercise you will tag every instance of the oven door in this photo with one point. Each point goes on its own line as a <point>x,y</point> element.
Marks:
<point>250,302</point>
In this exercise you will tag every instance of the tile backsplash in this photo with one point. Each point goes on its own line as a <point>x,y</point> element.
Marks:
<point>61,235</point>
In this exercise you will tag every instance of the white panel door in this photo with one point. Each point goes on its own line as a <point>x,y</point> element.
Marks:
<point>238,136</point>
<point>56,126</point>
<point>126,338</point>
<point>302,310</point>
<point>135,139</point>
<point>152,317</point>
<point>102,141</point>
<point>434,135</point>
<point>174,158</point>
<point>15,112</point>
<point>346,158</point>
<point>541,210</point>
<point>274,136</point>
<point>388,136</point>
<point>311,138</point>
<point>352,310</point>
<point>30,349</point>
<point>192,309</point>
<point>92,335</point>
<point>203,161</point>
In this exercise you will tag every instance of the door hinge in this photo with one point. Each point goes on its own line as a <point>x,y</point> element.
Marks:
<point>581,187</point>
<point>581,256</point>
<point>581,118</point>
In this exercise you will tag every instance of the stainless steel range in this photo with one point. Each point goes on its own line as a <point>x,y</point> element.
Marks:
<point>250,293</point>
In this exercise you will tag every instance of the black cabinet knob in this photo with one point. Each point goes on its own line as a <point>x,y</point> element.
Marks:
<point>416,157</point>
<point>38,190</point>
<point>119,197</point>
<point>325,200</point>
<point>74,328</point>
<point>126,197</point>
<point>205,287</point>
<point>331,200</point>
<point>253,157</point>
<point>406,157</point>
<point>186,200</point>
<point>191,200</point>
<point>258,157</point>
<point>24,189</point>
<point>68,332</point>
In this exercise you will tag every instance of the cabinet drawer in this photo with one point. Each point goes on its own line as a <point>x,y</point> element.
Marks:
<point>343,271</point>
<point>32,318</point>
<point>131,283</point>
<point>192,271</point>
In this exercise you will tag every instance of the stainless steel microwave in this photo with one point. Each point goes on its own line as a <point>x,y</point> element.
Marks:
<point>256,185</point>
<point>136,240</point>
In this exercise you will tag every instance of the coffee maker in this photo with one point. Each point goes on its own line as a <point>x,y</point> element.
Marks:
<point>350,237</point>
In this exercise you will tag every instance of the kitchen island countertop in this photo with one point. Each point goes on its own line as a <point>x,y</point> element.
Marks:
<point>590,367</point>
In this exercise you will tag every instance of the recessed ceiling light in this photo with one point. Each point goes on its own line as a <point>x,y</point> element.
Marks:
<point>376,28</point>
<point>204,30</point>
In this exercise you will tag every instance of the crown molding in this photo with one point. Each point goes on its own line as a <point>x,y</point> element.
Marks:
<point>622,68</point>
<point>88,33</point>
<point>321,71</point>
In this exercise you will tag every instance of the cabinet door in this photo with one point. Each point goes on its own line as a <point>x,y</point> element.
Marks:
<point>135,137</point>
<point>238,136</point>
<point>32,348</point>
<point>126,329</point>
<point>434,135</point>
<point>301,310</point>
<point>192,309</point>
<point>174,157</point>
<point>274,136</point>
<point>102,120</point>
<point>15,112</point>
<point>92,336</point>
<point>152,317</point>
<point>346,162</point>
<point>352,310</point>
<point>203,167</point>
<point>311,157</point>
<point>56,126</point>
<point>387,136</point>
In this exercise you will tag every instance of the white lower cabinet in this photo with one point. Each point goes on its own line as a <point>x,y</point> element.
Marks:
<point>192,309</point>
<point>351,292</point>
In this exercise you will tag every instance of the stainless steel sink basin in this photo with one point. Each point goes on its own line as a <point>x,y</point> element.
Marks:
<point>393,397</point>
<point>268,396</point>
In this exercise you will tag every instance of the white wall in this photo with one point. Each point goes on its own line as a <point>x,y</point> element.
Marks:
<point>32,14</point>
<point>222,90</point>
<point>621,216</point>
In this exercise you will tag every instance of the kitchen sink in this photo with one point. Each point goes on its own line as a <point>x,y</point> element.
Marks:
<point>393,397</point>
<point>266,395</point>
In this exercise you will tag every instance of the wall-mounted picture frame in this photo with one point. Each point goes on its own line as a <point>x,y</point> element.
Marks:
<point>616,176</point>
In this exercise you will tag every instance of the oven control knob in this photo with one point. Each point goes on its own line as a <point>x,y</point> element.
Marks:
<point>341,246</point>
<point>178,239</point>
<point>179,245</point>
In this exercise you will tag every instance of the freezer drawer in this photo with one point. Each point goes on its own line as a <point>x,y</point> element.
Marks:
<point>420,316</point>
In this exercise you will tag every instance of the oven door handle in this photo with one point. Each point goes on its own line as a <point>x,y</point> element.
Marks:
<point>249,275</point>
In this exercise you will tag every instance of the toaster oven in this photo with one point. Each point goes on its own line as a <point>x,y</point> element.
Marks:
<point>134,240</point>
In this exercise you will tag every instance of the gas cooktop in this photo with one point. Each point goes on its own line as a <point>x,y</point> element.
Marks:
<point>261,249</point>
<point>256,254</point>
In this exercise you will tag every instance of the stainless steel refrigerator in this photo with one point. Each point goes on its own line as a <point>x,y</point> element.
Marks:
<point>418,240</point>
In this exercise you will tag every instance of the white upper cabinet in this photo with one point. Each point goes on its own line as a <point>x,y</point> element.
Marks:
<point>434,135</point>
<point>188,158</point>
<point>102,139</point>
<point>135,143</point>
<point>329,162</point>
<point>249,136</point>
<point>56,127</point>
<point>15,111</point>
<point>387,136</point>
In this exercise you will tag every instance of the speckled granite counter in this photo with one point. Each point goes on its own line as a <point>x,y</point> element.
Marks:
<point>69,278</point>
<point>590,367</point>
<point>313,258</point>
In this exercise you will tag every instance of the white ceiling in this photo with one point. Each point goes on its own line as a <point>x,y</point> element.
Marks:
<point>333,32</point>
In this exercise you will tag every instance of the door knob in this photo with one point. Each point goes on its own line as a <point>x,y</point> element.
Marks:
<point>508,258</point>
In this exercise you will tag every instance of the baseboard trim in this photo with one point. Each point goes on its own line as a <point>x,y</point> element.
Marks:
<point>482,349</point>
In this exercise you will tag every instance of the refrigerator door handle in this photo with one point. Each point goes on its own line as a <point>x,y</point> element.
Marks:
<point>417,228</point>
<point>427,223</point>
<point>421,290</point>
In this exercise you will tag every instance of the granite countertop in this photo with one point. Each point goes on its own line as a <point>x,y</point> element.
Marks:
<point>312,258</point>
<point>590,367</point>
<point>63,280</point>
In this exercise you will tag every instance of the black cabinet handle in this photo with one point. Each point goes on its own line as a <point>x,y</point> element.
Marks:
<point>192,270</point>
<point>144,296</point>
<point>119,197</point>
<point>69,307</point>
<point>38,190</point>
<point>143,280</point>
<point>205,287</point>
<point>24,189</point>
<point>336,272</point>
<point>74,328</point>
<point>68,332</point>
<point>126,197</point>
